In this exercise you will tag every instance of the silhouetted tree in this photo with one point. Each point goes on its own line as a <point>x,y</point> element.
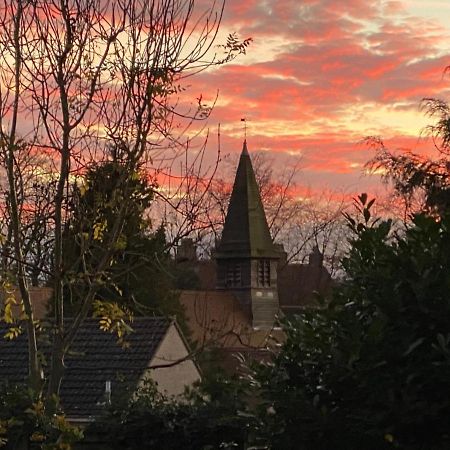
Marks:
<point>421,182</point>
<point>78,77</point>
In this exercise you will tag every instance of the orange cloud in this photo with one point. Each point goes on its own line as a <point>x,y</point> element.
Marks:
<point>334,72</point>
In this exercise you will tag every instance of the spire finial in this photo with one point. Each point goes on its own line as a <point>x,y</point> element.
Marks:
<point>245,127</point>
<point>244,148</point>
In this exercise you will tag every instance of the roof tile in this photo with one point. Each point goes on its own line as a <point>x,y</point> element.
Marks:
<point>94,358</point>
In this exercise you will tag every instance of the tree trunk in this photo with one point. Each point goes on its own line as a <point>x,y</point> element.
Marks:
<point>56,370</point>
<point>33,362</point>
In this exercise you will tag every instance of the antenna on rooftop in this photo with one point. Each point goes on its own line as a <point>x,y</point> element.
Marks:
<point>108,392</point>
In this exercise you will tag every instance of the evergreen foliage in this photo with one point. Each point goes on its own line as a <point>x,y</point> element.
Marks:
<point>140,275</point>
<point>209,417</point>
<point>371,370</point>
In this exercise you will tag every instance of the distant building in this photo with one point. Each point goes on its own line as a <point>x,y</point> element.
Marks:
<point>240,293</point>
<point>99,370</point>
<point>246,257</point>
<point>249,283</point>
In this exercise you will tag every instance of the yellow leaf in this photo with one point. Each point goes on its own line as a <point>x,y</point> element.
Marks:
<point>84,187</point>
<point>99,229</point>
<point>7,313</point>
<point>37,437</point>
<point>13,332</point>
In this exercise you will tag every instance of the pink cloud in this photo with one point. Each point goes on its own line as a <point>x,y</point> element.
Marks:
<point>331,57</point>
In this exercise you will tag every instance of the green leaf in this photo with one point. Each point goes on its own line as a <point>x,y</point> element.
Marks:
<point>413,346</point>
<point>443,342</point>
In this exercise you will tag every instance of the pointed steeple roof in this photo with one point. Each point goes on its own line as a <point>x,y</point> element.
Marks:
<point>246,233</point>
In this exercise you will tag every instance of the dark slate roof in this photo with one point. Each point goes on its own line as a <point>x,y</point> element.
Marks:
<point>245,232</point>
<point>94,358</point>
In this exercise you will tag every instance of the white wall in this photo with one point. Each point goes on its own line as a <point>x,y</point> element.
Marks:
<point>172,380</point>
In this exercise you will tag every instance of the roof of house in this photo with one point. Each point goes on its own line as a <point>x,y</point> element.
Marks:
<point>216,319</point>
<point>95,357</point>
<point>206,271</point>
<point>40,296</point>
<point>299,286</point>
<point>217,322</point>
<point>245,232</point>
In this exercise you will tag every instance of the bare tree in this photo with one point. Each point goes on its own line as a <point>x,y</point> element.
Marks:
<point>78,77</point>
<point>318,224</point>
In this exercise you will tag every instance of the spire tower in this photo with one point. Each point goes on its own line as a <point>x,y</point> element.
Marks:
<point>246,256</point>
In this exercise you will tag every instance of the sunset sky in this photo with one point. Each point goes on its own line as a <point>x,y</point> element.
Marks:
<point>322,74</point>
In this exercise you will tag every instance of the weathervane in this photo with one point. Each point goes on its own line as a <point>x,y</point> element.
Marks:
<point>245,127</point>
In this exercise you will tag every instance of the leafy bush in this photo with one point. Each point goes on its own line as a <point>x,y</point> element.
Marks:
<point>24,420</point>
<point>210,417</point>
<point>372,369</point>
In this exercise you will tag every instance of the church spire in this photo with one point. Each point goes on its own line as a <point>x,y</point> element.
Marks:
<point>246,256</point>
<point>244,148</point>
<point>246,233</point>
